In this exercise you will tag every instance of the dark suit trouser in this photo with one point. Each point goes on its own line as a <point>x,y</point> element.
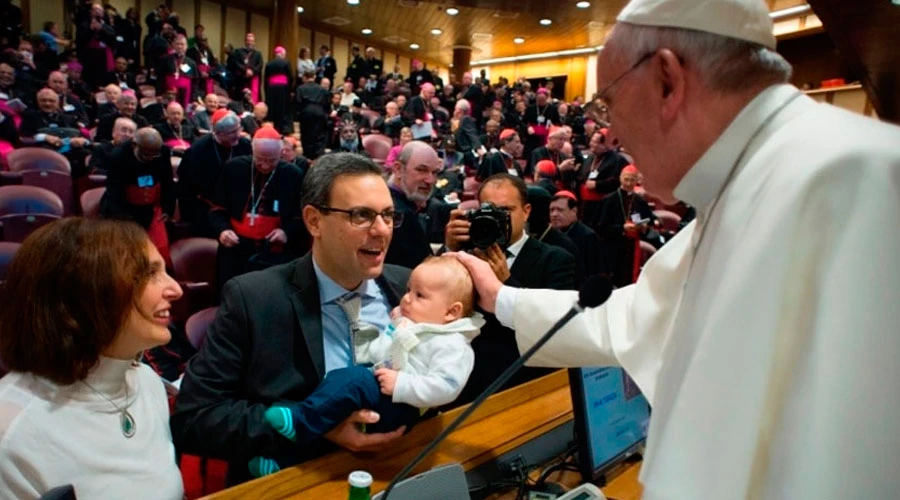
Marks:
<point>342,392</point>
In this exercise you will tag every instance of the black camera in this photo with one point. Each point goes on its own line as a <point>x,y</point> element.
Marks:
<point>490,224</point>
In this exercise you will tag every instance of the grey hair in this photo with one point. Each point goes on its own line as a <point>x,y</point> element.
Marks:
<point>227,123</point>
<point>726,64</point>
<point>320,179</point>
<point>408,150</point>
<point>463,105</point>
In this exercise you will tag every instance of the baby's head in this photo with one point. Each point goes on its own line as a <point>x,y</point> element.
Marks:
<point>440,290</point>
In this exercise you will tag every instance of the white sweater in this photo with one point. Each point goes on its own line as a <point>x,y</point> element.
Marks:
<point>434,361</point>
<point>53,435</point>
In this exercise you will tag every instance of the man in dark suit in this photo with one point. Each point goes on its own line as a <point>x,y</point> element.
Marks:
<point>525,262</point>
<point>503,160</point>
<point>424,216</point>
<point>279,331</point>
<point>564,217</point>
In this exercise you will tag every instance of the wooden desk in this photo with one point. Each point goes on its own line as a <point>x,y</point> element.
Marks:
<point>505,422</point>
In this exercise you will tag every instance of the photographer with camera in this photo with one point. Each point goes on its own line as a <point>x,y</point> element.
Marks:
<point>496,233</point>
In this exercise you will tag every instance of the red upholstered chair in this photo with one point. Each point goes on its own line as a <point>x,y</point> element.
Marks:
<point>196,326</point>
<point>470,189</point>
<point>58,182</point>
<point>8,250</point>
<point>670,222</point>
<point>37,159</point>
<point>377,146</point>
<point>194,267</point>
<point>90,202</point>
<point>23,209</point>
<point>371,115</point>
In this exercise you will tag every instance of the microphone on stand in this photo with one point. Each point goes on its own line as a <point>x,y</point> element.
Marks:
<point>594,292</point>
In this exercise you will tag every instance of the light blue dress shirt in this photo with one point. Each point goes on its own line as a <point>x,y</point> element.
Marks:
<point>375,311</point>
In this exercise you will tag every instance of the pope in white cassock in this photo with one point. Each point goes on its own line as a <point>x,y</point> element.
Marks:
<point>766,335</point>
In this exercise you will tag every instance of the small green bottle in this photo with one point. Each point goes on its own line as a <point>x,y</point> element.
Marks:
<point>360,484</point>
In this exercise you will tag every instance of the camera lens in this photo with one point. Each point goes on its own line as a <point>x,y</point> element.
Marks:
<point>484,232</point>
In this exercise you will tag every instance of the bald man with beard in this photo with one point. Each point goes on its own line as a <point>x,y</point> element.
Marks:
<point>140,186</point>
<point>424,216</point>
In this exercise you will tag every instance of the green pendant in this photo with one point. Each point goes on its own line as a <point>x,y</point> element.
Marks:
<point>127,422</point>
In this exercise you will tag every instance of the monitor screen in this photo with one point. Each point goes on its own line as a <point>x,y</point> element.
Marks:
<point>611,417</point>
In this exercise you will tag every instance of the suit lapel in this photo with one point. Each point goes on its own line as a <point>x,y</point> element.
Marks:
<point>308,309</point>
<point>526,259</point>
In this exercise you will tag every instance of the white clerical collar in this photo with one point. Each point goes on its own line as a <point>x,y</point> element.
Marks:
<point>516,247</point>
<point>705,179</point>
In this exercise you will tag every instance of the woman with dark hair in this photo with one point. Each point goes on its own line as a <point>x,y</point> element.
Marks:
<point>82,300</point>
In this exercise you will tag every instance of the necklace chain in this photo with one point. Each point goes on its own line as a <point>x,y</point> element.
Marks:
<point>126,420</point>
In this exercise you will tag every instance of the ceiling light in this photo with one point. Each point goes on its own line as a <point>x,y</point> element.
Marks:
<point>436,32</point>
<point>299,10</point>
<point>545,22</point>
<point>366,31</point>
<point>452,11</point>
<point>583,5</point>
<point>799,10</point>
<point>353,2</point>
<point>414,46</point>
<point>518,39</point>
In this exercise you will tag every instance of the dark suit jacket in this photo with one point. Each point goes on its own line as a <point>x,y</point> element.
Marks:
<point>538,265</point>
<point>588,255</point>
<point>264,346</point>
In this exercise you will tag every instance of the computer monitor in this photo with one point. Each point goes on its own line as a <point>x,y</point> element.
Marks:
<point>611,418</point>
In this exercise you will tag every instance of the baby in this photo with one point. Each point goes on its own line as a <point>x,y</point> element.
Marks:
<point>423,360</point>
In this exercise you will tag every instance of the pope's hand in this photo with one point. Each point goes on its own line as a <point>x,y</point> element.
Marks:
<point>486,282</point>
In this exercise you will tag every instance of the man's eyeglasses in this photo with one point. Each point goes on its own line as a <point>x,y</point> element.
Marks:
<point>363,217</point>
<point>604,94</point>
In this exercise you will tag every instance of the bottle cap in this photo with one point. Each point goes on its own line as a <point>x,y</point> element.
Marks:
<point>360,479</point>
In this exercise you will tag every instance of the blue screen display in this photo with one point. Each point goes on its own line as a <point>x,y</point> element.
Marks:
<point>616,414</point>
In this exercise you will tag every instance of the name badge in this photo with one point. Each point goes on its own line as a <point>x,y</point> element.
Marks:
<point>418,78</point>
<point>120,39</point>
<point>512,171</point>
<point>145,181</point>
<point>204,60</point>
<point>635,218</point>
<point>541,119</point>
<point>4,95</point>
<point>275,206</point>
<point>593,175</point>
<point>68,108</point>
<point>102,45</point>
<point>123,85</point>
<point>185,68</point>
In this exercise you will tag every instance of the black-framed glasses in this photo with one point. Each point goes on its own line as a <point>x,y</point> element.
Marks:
<point>364,217</point>
<point>604,94</point>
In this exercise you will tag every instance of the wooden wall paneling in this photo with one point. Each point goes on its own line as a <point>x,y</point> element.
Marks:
<point>390,60</point>
<point>305,40</point>
<point>320,40</point>
<point>122,6</point>
<point>405,65</point>
<point>211,19</point>
<point>340,50</point>
<point>235,26</point>
<point>187,15</point>
<point>259,25</point>
<point>41,11</point>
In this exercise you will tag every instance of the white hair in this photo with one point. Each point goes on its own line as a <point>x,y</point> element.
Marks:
<point>463,105</point>
<point>726,64</point>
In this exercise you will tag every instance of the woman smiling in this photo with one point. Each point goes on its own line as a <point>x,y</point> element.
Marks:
<point>82,300</point>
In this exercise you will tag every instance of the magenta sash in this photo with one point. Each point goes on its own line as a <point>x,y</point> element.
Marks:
<point>178,143</point>
<point>183,85</point>
<point>278,80</point>
<point>254,89</point>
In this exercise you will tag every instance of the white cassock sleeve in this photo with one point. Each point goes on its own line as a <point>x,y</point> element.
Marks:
<point>629,330</point>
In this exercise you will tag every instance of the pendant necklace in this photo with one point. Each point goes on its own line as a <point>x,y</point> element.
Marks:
<point>126,421</point>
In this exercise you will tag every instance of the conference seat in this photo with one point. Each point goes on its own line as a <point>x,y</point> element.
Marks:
<point>58,182</point>
<point>23,209</point>
<point>194,267</point>
<point>647,251</point>
<point>670,221</point>
<point>23,159</point>
<point>196,326</point>
<point>8,250</point>
<point>90,202</point>
<point>377,146</point>
<point>372,116</point>
<point>470,189</point>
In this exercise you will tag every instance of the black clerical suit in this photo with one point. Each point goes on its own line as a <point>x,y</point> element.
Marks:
<point>588,249</point>
<point>265,346</point>
<point>241,60</point>
<point>312,112</point>
<point>198,175</point>
<point>272,202</point>
<point>498,163</point>
<point>618,248</point>
<point>278,95</point>
<point>124,173</point>
<point>537,265</point>
<point>410,244</point>
<point>604,170</point>
<point>107,122</point>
